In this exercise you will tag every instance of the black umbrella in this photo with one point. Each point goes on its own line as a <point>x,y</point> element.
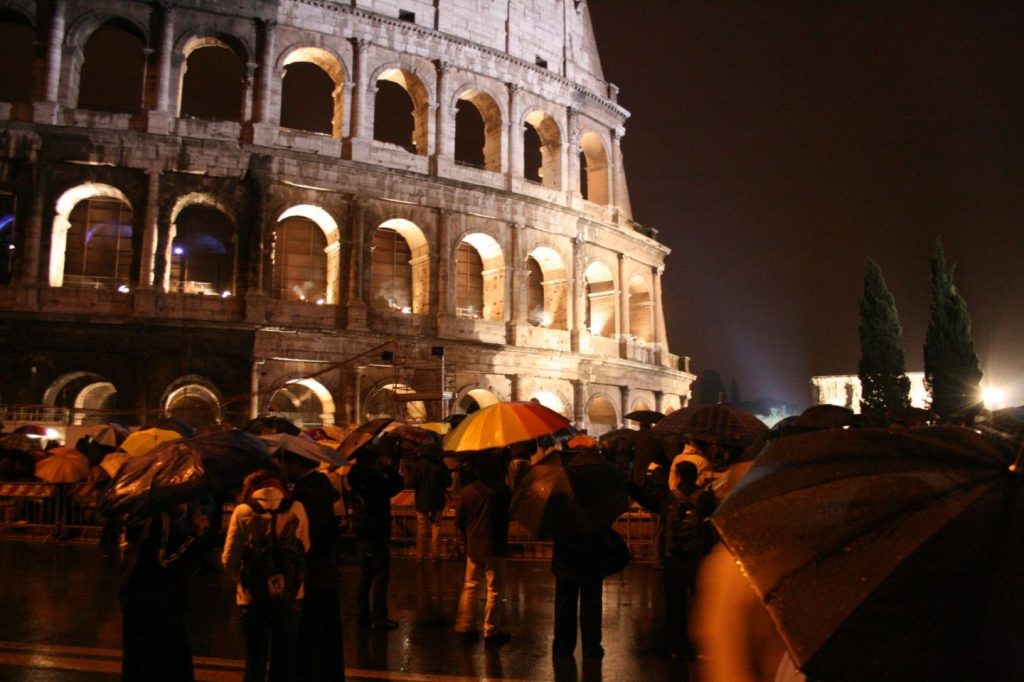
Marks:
<point>728,426</point>
<point>361,436</point>
<point>645,416</point>
<point>269,424</point>
<point>570,491</point>
<point>887,555</point>
<point>182,470</point>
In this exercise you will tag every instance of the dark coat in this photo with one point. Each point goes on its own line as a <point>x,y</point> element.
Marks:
<point>430,478</point>
<point>317,495</point>
<point>376,487</point>
<point>482,516</point>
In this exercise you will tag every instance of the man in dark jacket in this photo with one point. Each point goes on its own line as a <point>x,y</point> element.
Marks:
<point>430,479</point>
<point>374,480</point>
<point>483,516</point>
<point>319,651</point>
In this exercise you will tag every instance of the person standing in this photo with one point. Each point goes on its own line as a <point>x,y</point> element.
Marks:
<point>153,594</point>
<point>482,517</point>
<point>264,553</point>
<point>373,480</point>
<point>430,479</point>
<point>650,472</point>
<point>320,651</point>
<point>576,563</point>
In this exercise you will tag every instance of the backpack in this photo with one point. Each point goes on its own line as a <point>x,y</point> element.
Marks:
<point>685,530</point>
<point>273,565</point>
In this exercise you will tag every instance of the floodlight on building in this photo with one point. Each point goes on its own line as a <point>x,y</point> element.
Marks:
<point>178,251</point>
<point>123,289</point>
<point>319,301</point>
<point>994,398</point>
<point>225,294</point>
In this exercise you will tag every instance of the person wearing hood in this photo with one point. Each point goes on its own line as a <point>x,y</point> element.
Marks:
<point>270,617</point>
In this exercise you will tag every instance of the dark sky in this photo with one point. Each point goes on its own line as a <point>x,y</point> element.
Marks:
<point>776,146</point>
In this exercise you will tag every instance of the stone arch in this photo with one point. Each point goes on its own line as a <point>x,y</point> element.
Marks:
<point>103,48</point>
<point>479,278</point>
<point>400,267</point>
<point>641,310</point>
<point>223,236</point>
<point>542,152</point>
<point>419,96</point>
<point>326,290</point>
<point>553,401</point>
<point>18,31</point>
<point>62,223</point>
<point>219,96</point>
<point>547,289</point>
<point>602,416</point>
<point>478,148</point>
<point>333,67</point>
<point>89,393</point>
<point>194,400</point>
<point>473,398</point>
<point>306,402</point>
<point>394,400</point>
<point>594,168</point>
<point>600,317</point>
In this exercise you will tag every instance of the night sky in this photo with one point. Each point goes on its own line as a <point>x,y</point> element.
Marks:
<point>776,146</point>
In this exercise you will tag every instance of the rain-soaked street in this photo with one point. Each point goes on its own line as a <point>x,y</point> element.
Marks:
<point>60,621</point>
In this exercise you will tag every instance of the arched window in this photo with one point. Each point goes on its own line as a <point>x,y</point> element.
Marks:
<point>203,252</point>
<point>391,272</point>
<point>305,402</point>
<point>7,230</point>
<point>601,416</point>
<point>17,57</point>
<point>300,264</point>
<point>99,244</point>
<point>194,404</point>
<point>535,313</point>
<point>641,310</point>
<point>393,120</point>
<point>547,292</point>
<point>307,98</point>
<point>114,69</point>
<point>593,169</point>
<point>213,84</point>
<point>480,278</point>
<point>469,282</point>
<point>396,401</point>
<point>90,393</point>
<point>542,150</point>
<point>469,134</point>
<point>533,160</point>
<point>600,319</point>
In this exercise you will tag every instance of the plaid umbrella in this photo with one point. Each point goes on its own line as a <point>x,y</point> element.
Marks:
<point>722,424</point>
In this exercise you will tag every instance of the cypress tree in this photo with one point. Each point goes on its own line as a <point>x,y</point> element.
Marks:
<point>885,387</point>
<point>952,372</point>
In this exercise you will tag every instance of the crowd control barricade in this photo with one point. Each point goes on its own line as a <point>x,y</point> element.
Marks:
<point>29,509</point>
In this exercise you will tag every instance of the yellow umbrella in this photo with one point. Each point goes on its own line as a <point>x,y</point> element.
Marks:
<point>437,427</point>
<point>112,462</point>
<point>141,442</point>
<point>62,465</point>
<point>502,424</point>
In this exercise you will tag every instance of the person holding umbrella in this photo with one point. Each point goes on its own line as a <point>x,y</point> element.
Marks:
<point>430,479</point>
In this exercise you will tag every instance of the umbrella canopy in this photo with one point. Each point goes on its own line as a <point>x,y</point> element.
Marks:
<point>440,428</point>
<point>181,470</point>
<point>31,430</point>
<point>886,555</point>
<point>20,442</point>
<point>582,495</point>
<point>361,435</point>
<point>62,465</point>
<point>271,424</point>
<point>108,435</point>
<point>304,447</point>
<point>645,416</point>
<point>112,463</point>
<point>170,424</point>
<point>141,442</point>
<point>501,424</point>
<point>410,438</point>
<point>728,426</point>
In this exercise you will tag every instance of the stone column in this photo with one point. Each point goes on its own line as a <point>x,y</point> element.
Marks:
<point>254,387</point>
<point>265,121</point>
<point>444,133</point>
<point>579,295</point>
<point>249,112</point>
<point>358,143</point>
<point>623,299</point>
<point>445,286</point>
<point>573,191</point>
<point>29,275</point>
<point>616,167</point>
<point>579,391</point>
<point>514,168</point>
<point>660,338</point>
<point>515,283</point>
<point>356,303</point>
<point>46,111</point>
<point>159,120</point>
<point>149,237</point>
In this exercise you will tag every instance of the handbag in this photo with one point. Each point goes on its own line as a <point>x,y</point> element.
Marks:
<point>613,552</point>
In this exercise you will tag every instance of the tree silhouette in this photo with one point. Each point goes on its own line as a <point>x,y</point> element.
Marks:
<point>885,387</point>
<point>951,369</point>
<point>710,388</point>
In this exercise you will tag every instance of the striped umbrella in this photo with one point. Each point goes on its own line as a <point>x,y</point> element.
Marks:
<point>501,424</point>
<point>729,426</point>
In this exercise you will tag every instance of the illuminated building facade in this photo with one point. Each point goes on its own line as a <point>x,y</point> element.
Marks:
<point>332,210</point>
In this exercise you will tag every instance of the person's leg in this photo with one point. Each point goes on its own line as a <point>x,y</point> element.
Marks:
<point>363,614</point>
<point>590,617</point>
<point>423,530</point>
<point>493,615</point>
<point>319,650</point>
<point>284,624</point>
<point>381,578</point>
<point>465,619</point>
<point>567,594</point>
<point>435,535</point>
<point>256,636</point>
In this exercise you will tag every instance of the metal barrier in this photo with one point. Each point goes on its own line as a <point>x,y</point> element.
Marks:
<point>45,508</point>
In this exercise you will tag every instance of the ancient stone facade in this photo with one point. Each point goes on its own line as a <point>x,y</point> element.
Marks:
<point>328,209</point>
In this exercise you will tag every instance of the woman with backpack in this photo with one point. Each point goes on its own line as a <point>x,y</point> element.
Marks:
<point>265,553</point>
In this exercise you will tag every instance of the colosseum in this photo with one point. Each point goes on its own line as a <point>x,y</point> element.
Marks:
<point>326,209</point>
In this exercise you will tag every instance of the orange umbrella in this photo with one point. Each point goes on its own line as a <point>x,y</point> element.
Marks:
<point>141,442</point>
<point>501,424</point>
<point>62,465</point>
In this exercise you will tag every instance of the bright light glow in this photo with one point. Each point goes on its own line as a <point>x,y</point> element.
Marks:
<point>546,319</point>
<point>52,434</point>
<point>225,294</point>
<point>178,251</point>
<point>994,398</point>
<point>123,289</point>
<point>407,310</point>
<point>319,301</point>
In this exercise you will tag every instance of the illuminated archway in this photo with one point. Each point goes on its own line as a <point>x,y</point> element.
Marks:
<point>641,310</point>
<point>477,398</point>
<point>480,278</point>
<point>547,289</point>
<point>395,401</point>
<point>194,403</point>
<point>601,293</point>
<point>593,169</point>
<point>114,238</point>
<point>400,268</point>
<point>552,401</point>
<point>306,402</point>
<point>601,415</point>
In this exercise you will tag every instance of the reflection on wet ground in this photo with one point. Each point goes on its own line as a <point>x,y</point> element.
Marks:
<point>61,621</point>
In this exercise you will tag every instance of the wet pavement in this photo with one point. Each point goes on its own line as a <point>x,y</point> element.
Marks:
<point>60,621</point>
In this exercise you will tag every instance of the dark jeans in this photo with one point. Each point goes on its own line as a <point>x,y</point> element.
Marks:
<point>679,580</point>
<point>270,630</point>
<point>375,562</point>
<point>319,651</point>
<point>586,596</point>
<point>156,645</point>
